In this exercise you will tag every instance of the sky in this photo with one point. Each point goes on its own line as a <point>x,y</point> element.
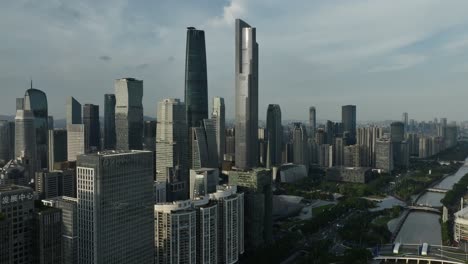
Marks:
<point>386,57</point>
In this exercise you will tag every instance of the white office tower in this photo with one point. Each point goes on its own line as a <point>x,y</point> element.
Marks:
<point>175,229</point>
<point>172,148</point>
<point>75,141</point>
<point>219,117</point>
<point>25,141</point>
<point>115,207</point>
<point>230,222</point>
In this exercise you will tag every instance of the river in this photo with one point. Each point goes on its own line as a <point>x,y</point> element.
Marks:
<point>422,227</point>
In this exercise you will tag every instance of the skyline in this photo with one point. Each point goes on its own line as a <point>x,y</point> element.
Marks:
<point>327,48</point>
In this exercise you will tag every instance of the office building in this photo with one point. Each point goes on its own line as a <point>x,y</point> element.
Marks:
<point>175,230</point>
<point>36,101</point>
<point>5,139</point>
<point>109,121</point>
<point>73,111</point>
<point>352,156</point>
<point>203,182</point>
<point>397,131</point>
<point>20,103</point>
<point>47,235</point>
<point>246,65</point>
<point>338,152</point>
<point>451,136</point>
<point>50,184</point>
<point>203,146</point>
<point>312,122</point>
<point>196,84</point>
<point>6,240</point>
<point>290,173</point>
<point>160,194</point>
<point>129,114</point>
<point>325,155</point>
<point>366,138</point>
<point>92,127</point>
<point>172,155</point>
<point>219,117</point>
<point>349,174</point>
<point>149,136</point>
<point>115,213</point>
<point>17,205</point>
<point>300,147</point>
<point>348,118</point>
<point>68,206</point>
<point>25,141</point>
<point>274,135</point>
<point>384,154</point>
<point>57,147</point>
<point>75,141</point>
<point>404,119</point>
<point>257,187</point>
<point>11,125</point>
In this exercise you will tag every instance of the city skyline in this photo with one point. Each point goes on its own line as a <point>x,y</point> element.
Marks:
<point>320,71</point>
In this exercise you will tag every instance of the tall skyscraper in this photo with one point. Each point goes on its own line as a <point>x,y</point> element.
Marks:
<point>36,101</point>
<point>219,117</point>
<point>246,65</point>
<point>25,141</point>
<point>274,135</point>
<point>75,141</point>
<point>57,147</point>
<point>149,135</point>
<point>17,204</point>
<point>5,138</point>
<point>404,119</point>
<point>68,205</point>
<point>312,122</point>
<point>300,150</point>
<point>348,118</point>
<point>171,148</point>
<point>73,111</point>
<point>92,127</point>
<point>397,131</point>
<point>196,84</point>
<point>129,114</point>
<point>115,207</point>
<point>109,121</point>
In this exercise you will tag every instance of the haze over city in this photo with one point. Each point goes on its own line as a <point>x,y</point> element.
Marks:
<point>384,56</point>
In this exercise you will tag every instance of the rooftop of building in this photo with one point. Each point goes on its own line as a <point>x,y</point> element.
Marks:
<point>128,79</point>
<point>351,168</point>
<point>462,214</point>
<point>12,187</point>
<point>65,199</point>
<point>117,152</point>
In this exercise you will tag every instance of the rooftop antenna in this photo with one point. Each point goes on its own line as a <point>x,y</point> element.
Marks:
<point>31,83</point>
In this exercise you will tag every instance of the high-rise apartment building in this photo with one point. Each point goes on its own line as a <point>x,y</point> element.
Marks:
<point>172,148</point>
<point>219,117</point>
<point>68,206</point>
<point>196,84</point>
<point>17,205</point>
<point>73,111</point>
<point>246,65</point>
<point>352,156</point>
<point>115,212</point>
<point>129,114</point>
<point>109,121</point>
<point>36,101</point>
<point>274,135</point>
<point>384,154</point>
<point>92,127</point>
<point>348,118</point>
<point>75,141</point>
<point>207,230</point>
<point>366,138</point>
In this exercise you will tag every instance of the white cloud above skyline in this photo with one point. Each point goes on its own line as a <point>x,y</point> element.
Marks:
<point>386,57</point>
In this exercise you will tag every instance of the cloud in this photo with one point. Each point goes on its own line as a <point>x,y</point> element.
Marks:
<point>105,58</point>
<point>399,62</point>
<point>235,9</point>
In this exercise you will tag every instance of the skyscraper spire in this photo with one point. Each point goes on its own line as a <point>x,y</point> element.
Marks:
<point>31,83</point>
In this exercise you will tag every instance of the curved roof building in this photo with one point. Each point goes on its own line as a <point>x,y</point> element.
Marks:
<point>36,101</point>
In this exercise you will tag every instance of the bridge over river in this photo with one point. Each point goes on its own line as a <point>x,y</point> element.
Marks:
<point>411,253</point>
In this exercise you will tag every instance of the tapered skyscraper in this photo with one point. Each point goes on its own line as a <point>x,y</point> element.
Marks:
<point>196,85</point>
<point>109,121</point>
<point>36,101</point>
<point>274,135</point>
<point>129,114</point>
<point>246,96</point>
<point>219,117</point>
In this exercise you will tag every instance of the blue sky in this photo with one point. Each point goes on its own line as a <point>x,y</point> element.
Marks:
<point>386,57</point>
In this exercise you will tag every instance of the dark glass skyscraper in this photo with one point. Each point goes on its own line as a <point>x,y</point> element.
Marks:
<point>129,114</point>
<point>109,121</point>
<point>348,118</point>
<point>274,135</point>
<point>196,85</point>
<point>246,65</point>
<point>73,111</point>
<point>36,101</point>
<point>92,127</point>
